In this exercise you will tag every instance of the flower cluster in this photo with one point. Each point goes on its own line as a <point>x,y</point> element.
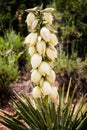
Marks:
<point>41,42</point>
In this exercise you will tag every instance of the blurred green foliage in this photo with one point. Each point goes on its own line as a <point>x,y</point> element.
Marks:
<point>70,64</point>
<point>64,63</point>
<point>71,22</point>
<point>13,15</point>
<point>13,55</point>
<point>8,72</point>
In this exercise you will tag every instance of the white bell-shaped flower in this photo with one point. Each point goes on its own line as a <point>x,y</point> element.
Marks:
<point>31,39</point>
<point>46,88</point>
<point>36,60</point>
<point>34,24</point>
<point>41,47</point>
<point>45,34</point>
<point>53,39</point>
<point>51,78</point>
<point>30,19</point>
<point>36,93</point>
<point>44,68</point>
<point>48,18</point>
<point>51,53</point>
<point>32,50</point>
<point>35,76</point>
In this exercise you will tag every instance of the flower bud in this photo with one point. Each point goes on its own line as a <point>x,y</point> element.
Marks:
<point>31,39</point>
<point>36,93</point>
<point>51,78</point>
<point>45,34</point>
<point>48,18</point>
<point>51,53</point>
<point>30,19</point>
<point>32,50</point>
<point>53,39</point>
<point>35,76</point>
<point>54,94</point>
<point>46,88</point>
<point>36,60</point>
<point>44,68</point>
<point>41,47</point>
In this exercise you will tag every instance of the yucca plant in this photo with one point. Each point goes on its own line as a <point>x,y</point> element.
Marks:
<point>46,115</point>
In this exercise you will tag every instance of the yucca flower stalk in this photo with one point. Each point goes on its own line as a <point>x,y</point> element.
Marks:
<point>41,42</point>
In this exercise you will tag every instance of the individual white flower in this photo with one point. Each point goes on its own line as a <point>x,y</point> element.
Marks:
<point>54,94</point>
<point>48,18</point>
<point>35,76</point>
<point>34,24</point>
<point>36,60</point>
<point>46,88</point>
<point>51,53</point>
<point>36,93</point>
<point>48,10</point>
<point>51,78</point>
<point>44,68</point>
<point>45,34</point>
<point>32,50</point>
<point>53,39</point>
<point>41,47</point>
<point>30,19</point>
<point>31,39</point>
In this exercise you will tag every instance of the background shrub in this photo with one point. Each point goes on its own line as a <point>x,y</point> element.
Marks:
<point>71,21</point>
<point>13,15</point>
<point>13,56</point>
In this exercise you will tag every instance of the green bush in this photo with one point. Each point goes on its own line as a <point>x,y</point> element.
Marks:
<point>45,116</point>
<point>13,56</point>
<point>72,63</point>
<point>8,72</point>
<point>14,43</point>
<point>64,62</point>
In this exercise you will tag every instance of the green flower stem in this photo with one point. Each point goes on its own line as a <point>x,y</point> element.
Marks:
<point>47,113</point>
